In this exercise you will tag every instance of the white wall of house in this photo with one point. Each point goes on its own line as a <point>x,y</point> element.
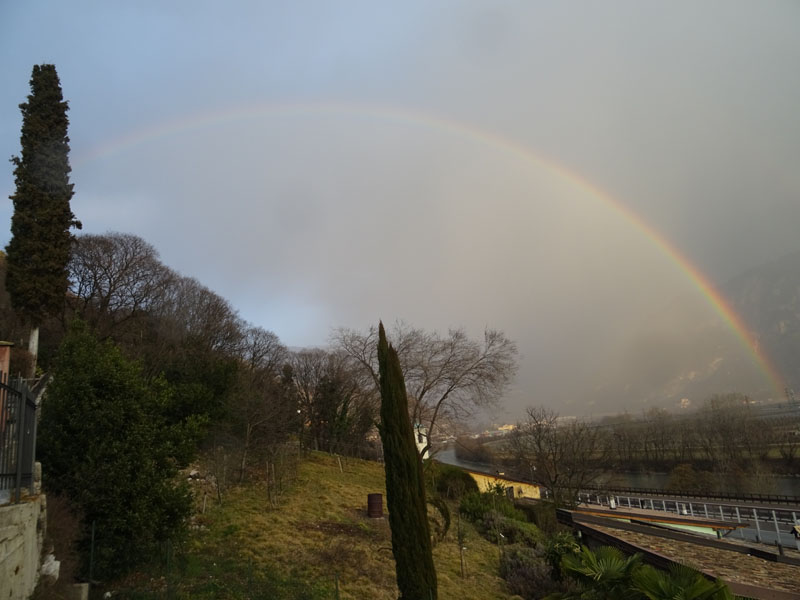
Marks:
<point>421,438</point>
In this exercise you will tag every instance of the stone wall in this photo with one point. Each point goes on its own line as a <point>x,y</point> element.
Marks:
<point>22,528</point>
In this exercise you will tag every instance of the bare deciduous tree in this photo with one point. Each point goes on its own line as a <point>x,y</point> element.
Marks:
<point>207,317</point>
<point>447,377</point>
<point>308,367</point>
<point>264,413</point>
<point>658,437</point>
<point>787,440</point>
<point>114,278</point>
<point>731,435</point>
<point>563,457</point>
<point>334,402</point>
<point>262,350</point>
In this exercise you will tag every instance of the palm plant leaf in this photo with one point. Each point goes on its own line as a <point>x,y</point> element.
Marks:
<point>680,583</point>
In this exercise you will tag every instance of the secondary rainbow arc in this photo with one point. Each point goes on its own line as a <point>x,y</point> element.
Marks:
<point>713,296</point>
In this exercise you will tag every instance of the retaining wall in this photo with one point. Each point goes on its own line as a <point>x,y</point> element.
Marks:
<point>22,528</point>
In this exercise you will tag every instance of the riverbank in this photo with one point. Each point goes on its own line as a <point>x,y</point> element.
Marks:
<point>740,482</point>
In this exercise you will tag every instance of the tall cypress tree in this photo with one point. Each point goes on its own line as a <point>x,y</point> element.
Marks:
<point>39,250</point>
<point>405,485</point>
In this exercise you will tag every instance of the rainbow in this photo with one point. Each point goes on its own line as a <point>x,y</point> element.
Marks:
<point>446,125</point>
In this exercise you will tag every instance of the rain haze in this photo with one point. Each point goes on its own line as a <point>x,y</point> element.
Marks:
<point>569,173</point>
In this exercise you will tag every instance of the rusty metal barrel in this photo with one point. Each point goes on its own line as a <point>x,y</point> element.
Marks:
<point>375,506</point>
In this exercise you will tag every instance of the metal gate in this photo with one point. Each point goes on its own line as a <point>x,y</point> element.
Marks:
<point>17,438</point>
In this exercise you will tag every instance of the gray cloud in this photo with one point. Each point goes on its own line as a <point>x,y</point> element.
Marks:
<point>310,218</point>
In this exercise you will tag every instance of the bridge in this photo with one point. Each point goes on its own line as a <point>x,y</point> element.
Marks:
<point>764,522</point>
<point>761,518</point>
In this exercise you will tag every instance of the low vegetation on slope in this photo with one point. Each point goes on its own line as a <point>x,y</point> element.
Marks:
<point>317,539</point>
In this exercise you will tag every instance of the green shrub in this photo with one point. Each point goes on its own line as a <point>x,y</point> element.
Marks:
<point>604,572</point>
<point>104,443</point>
<point>475,505</point>
<point>493,524</point>
<point>556,547</point>
<point>543,514</point>
<point>451,482</point>
<point>528,575</point>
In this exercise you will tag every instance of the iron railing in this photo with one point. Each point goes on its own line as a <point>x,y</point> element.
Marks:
<point>17,438</point>
<point>736,497</point>
<point>763,524</point>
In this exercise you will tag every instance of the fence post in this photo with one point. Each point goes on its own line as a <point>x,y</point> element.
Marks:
<point>34,432</point>
<point>758,529</point>
<point>91,558</point>
<point>739,519</point>
<point>169,567</point>
<point>5,430</point>
<point>250,577</point>
<point>777,531</point>
<point>20,439</point>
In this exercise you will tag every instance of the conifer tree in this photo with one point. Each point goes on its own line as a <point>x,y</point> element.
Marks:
<point>107,444</point>
<point>405,485</point>
<point>39,249</point>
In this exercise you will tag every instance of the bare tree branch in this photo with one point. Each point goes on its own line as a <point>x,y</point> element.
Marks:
<point>563,457</point>
<point>447,377</point>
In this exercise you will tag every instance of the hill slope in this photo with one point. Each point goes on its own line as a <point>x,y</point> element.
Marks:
<point>318,533</point>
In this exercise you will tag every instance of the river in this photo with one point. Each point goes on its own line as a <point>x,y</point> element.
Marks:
<point>782,485</point>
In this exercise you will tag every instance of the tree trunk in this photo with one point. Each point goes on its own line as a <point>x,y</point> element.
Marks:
<point>33,348</point>
<point>243,466</point>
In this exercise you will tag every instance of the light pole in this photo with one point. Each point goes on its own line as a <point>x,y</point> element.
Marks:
<point>299,432</point>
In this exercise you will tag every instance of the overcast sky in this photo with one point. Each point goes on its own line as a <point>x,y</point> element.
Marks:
<point>326,164</point>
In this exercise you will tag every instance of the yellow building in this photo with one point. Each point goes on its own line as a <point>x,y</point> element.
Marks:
<point>521,489</point>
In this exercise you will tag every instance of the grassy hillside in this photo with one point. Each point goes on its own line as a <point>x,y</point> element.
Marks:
<point>316,538</point>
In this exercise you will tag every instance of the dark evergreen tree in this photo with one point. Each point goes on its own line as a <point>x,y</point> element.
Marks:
<point>104,442</point>
<point>39,249</point>
<point>405,485</point>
